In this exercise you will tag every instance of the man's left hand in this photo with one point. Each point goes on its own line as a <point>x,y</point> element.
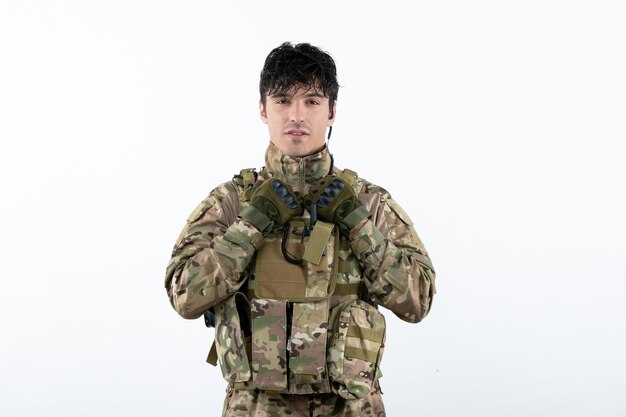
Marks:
<point>336,202</point>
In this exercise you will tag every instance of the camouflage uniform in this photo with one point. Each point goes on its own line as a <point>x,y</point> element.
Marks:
<point>212,260</point>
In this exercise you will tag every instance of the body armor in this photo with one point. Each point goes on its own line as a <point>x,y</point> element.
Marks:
<point>301,325</point>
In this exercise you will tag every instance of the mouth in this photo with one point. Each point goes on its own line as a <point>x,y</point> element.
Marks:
<point>297,134</point>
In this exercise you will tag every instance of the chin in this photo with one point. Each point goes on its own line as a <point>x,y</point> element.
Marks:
<point>297,149</point>
<point>297,152</point>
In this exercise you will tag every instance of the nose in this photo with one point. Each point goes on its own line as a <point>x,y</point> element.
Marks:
<point>296,113</point>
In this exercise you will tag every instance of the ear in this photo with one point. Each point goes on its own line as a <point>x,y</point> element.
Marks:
<point>331,120</point>
<point>262,112</point>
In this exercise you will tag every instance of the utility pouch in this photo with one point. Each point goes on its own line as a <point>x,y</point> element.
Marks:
<point>230,342</point>
<point>307,346</point>
<point>269,344</point>
<point>277,279</point>
<point>355,348</point>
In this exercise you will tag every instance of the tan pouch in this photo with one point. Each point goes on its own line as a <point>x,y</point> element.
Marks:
<point>355,349</point>
<point>276,278</point>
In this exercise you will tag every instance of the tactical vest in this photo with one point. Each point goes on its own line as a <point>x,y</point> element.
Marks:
<point>300,326</point>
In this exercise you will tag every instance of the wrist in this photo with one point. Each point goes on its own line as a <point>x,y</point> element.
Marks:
<point>354,219</point>
<point>257,218</point>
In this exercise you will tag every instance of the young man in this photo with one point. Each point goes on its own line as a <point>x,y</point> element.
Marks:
<point>289,264</point>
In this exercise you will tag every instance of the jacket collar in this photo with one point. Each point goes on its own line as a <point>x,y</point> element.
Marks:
<point>298,171</point>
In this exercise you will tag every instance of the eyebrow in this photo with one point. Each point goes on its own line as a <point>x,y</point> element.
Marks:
<point>307,95</point>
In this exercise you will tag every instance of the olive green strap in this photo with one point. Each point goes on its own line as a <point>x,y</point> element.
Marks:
<point>249,177</point>
<point>347,289</point>
<point>257,218</point>
<point>212,358</point>
<point>317,243</point>
<point>344,267</point>
<point>301,379</point>
<point>359,353</point>
<point>349,176</point>
<point>375,335</point>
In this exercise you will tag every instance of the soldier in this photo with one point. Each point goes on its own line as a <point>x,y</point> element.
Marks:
<point>291,263</point>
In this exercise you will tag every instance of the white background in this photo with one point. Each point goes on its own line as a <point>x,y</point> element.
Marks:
<point>498,126</point>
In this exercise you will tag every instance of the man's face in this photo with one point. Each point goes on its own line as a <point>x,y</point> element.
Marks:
<point>297,121</point>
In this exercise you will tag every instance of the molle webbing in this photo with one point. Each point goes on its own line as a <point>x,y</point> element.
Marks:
<point>349,177</point>
<point>246,179</point>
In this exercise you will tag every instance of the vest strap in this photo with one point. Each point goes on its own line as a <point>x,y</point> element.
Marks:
<point>317,243</point>
<point>249,177</point>
<point>347,289</point>
<point>212,358</point>
<point>348,176</point>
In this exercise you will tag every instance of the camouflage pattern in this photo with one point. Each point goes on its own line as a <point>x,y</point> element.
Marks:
<point>307,346</point>
<point>299,172</point>
<point>357,348</point>
<point>269,344</point>
<point>397,270</point>
<point>245,403</point>
<point>212,260</point>
<point>210,257</point>
<point>230,342</point>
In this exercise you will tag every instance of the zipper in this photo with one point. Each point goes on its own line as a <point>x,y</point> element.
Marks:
<point>333,322</point>
<point>289,307</point>
<point>302,179</point>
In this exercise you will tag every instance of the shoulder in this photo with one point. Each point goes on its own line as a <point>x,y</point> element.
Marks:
<point>223,199</point>
<point>372,190</point>
<point>378,201</point>
<point>363,187</point>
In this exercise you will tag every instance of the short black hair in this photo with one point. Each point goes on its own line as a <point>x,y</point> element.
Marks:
<point>300,65</point>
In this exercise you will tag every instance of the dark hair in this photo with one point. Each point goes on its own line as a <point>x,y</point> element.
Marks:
<point>301,65</point>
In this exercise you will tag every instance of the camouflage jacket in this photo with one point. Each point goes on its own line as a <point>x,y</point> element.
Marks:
<point>300,329</point>
<point>211,256</point>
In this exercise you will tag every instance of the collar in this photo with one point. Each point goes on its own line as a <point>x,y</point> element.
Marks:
<point>298,171</point>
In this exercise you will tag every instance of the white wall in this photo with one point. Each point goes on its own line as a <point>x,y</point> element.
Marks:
<point>499,127</point>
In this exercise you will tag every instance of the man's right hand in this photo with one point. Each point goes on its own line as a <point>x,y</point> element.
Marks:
<point>272,204</point>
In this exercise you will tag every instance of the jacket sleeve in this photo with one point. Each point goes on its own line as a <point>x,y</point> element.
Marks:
<point>397,270</point>
<point>211,254</point>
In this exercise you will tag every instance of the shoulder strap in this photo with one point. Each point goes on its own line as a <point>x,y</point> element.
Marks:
<point>350,177</point>
<point>246,179</point>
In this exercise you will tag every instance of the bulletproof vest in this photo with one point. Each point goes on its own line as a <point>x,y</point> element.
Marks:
<point>301,325</point>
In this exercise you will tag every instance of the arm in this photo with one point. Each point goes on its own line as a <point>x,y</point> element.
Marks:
<point>397,270</point>
<point>210,256</point>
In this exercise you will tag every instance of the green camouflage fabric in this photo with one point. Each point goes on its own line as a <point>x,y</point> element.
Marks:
<point>269,344</point>
<point>210,262</point>
<point>245,403</point>
<point>357,348</point>
<point>230,342</point>
<point>307,346</point>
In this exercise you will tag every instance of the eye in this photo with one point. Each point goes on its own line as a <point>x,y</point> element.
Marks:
<point>313,102</point>
<point>281,101</point>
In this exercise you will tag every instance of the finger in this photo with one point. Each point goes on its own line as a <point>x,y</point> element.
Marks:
<point>284,194</point>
